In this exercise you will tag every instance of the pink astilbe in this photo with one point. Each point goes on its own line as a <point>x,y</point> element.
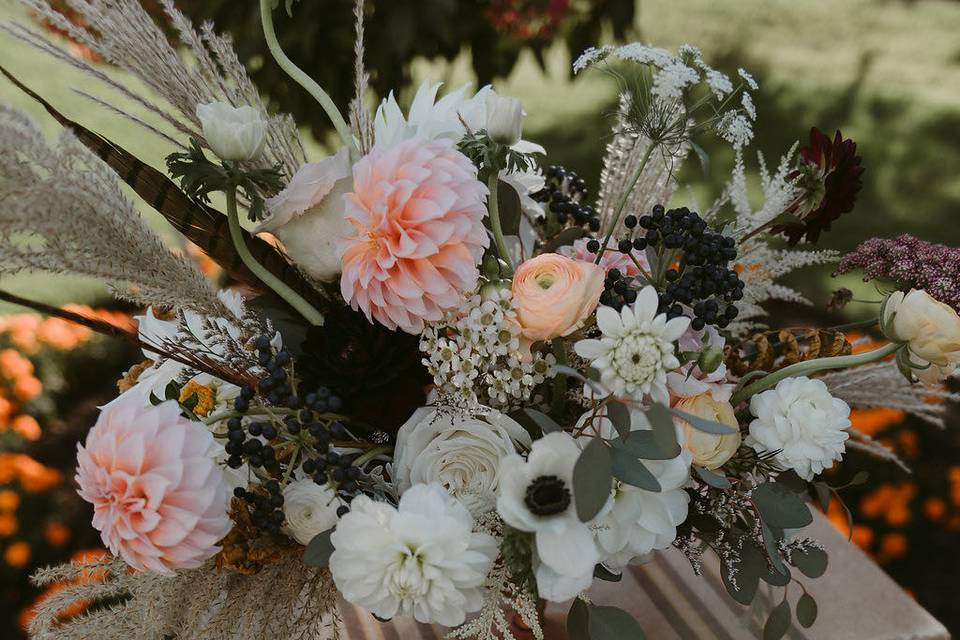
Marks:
<point>417,214</point>
<point>911,263</point>
<point>159,501</point>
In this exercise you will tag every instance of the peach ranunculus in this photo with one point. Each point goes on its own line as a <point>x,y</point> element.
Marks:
<point>416,213</point>
<point>709,450</point>
<point>553,295</point>
<point>159,500</point>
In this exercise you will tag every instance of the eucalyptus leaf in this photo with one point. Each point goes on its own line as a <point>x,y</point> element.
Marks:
<point>318,552</point>
<point>792,481</point>
<point>749,570</point>
<point>713,479</point>
<point>861,477</point>
<point>770,539</point>
<point>611,623</point>
<point>508,201</point>
<point>701,424</point>
<point>780,507</point>
<point>823,494</point>
<point>629,469</point>
<point>812,562</point>
<point>778,623</point>
<point>619,416</point>
<point>578,620</point>
<point>592,479</point>
<point>642,444</point>
<point>806,611</point>
<point>600,572</point>
<point>542,420</point>
<point>664,431</point>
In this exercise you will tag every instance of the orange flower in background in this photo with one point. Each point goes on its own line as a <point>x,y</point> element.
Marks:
<point>61,334</point>
<point>9,500</point>
<point>17,554</point>
<point>33,476</point>
<point>13,365</point>
<point>5,410</point>
<point>893,546</point>
<point>874,421</point>
<point>935,509</point>
<point>8,524</point>
<point>27,388</point>
<point>27,426</point>
<point>56,534</point>
<point>23,330</point>
<point>891,502</point>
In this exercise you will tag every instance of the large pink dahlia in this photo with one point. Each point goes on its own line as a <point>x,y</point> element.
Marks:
<point>417,213</point>
<point>159,501</point>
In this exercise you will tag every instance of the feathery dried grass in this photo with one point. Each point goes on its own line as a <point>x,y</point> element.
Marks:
<point>360,120</point>
<point>62,211</point>
<point>284,601</point>
<point>124,34</point>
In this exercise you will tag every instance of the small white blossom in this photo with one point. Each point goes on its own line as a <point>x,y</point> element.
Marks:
<point>309,509</point>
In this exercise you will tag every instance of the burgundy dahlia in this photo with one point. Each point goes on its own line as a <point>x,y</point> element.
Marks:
<point>830,176</point>
<point>911,263</point>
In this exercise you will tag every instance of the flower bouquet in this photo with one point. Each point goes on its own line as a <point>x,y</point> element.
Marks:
<point>444,384</point>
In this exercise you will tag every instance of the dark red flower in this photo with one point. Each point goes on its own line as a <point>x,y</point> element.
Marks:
<point>830,177</point>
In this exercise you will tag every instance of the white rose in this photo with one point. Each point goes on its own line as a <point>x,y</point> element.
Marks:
<point>307,216</point>
<point>930,327</point>
<point>310,509</point>
<point>233,133</point>
<point>504,119</point>
<point>803,422</point>
<point>461,453</point>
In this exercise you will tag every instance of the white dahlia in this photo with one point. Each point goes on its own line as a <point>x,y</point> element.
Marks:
<point>800,419</point>
<point>420,559</point>
<point>636,351</point>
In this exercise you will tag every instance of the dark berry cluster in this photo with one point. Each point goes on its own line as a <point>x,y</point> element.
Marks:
<point>564,194</point>
<point>617,290</point>
<point>267,508</point>
<point>702,279</point>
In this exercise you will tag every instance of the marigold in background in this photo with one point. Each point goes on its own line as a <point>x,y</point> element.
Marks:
<point>417,214</point>
<point>158,500</point>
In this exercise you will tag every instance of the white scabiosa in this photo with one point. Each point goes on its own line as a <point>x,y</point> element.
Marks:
<point>233,133</point>
<point>309,509</point>
<point>419,559</point>
<point>636,351</point>
<point>536,495</point>
<point>800,419</point>
<point>461,452</point>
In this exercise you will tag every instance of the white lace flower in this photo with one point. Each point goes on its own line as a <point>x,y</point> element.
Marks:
<point>420,559</point>
<point>536,495</point>
<point>309,509</point>
<point>636,521</point>
<point>462,453</point>
<point>800,419</point>
<point>636,350</point>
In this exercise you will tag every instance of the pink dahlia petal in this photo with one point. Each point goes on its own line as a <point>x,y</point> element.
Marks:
<point>417,216</point>
<point>159,502</point>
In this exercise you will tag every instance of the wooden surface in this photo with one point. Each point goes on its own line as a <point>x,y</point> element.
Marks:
<point>856,601</point>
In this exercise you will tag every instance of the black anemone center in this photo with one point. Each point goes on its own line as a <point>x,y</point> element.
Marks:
<point>547,496</point>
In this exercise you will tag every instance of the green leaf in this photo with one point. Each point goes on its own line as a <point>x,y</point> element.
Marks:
<point>788,220</point>
<point>592,479</point>
<point>812,562</point>
<point>780,507</point>
<point>823,494</point>
<point>545,423</point>
<point>172,391</point>
<point>508,201</point>
<point>643,445</point>
<point>578,621</point>
<point>664,431</point>
<point>619,416</point>
<point>713,479</point>
<point>701,424</point>
<point>806,611</point>
<point>778,623</point>
<point>600,572</point>
<point>319,550</point>
<point>702,156</point>
<point>611,623</point>
<point>780,571</point>
<point>628,468</point>
<point>792,481</point>
<point>861,477</point>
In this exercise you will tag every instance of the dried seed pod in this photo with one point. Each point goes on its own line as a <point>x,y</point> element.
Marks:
<point>773,350</point>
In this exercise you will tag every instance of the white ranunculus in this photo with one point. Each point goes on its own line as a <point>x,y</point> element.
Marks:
<point>462,453</point>
<point>420,559</point>
<point>536,495</point>
<point>504,119</point>
<point>635,521</point>
<point>307,216</point>
<point>930,328</point>
<point>800,419</point>
<point>233,133</point>
<point>309,509</point>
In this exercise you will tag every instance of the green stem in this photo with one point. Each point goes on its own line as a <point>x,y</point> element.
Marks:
<point>370,455</point>
<point>812,366</point>
<point>294,299</point>
<point>494,205</point>
<point>623,201</point>
<point>559,381</point>
<point>862,324</point>
<point>301,78</point>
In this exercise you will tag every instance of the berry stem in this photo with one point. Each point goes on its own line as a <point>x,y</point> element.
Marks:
<point>370,455</point>
<point>301,78</point>
<point>279,287</point>
<point>623,201</point>
<point>493,203</point>
<point>812,366</point>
